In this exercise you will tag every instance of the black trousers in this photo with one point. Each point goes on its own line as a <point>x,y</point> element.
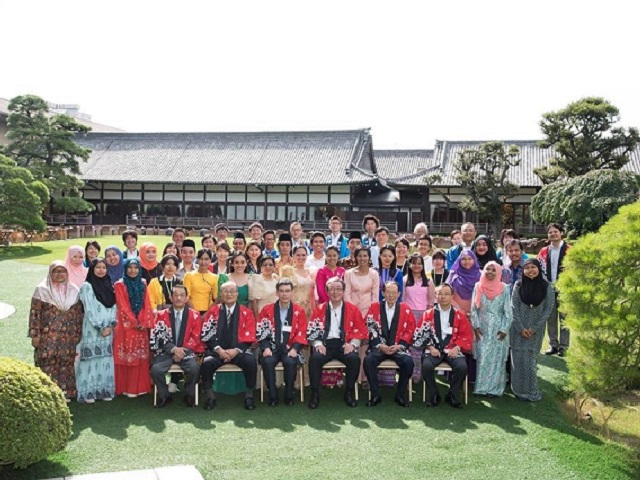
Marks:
<point>212,362</point>
<point>458,365</point>
<point>334,352</point>
<point>161,364</point>
<point>375,358</point>
<point>269,371</point>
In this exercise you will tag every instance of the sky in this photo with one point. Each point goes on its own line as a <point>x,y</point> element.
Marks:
<point>413,72</point>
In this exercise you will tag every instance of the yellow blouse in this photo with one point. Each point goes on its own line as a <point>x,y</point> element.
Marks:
<point>202,288</point>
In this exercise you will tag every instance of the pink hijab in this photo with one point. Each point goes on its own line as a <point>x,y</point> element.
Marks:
<point>491,288</point>
<point>77,275</point>
<point>62,295</point>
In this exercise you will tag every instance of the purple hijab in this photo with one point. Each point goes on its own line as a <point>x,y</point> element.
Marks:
<point>464,279</point>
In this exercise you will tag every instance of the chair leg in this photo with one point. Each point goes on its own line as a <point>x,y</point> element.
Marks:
<point>301,383</point>
<point>155,395</point>
<point>261,387</point>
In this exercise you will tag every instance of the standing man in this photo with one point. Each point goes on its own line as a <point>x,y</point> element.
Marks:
<point>335,332</point>
<point>178,237</point>
<point>270,244</point>
<point>391,325</point>
<point>369,224</point>
<point>130,240</point>
<point>468,236</point>
<point>551,259</point>
<point>187,255</point>
<point>355,242</point>
<point>282,333</point>
<point>255,230</point>
<point>228,331</point>
<point>336,238</point>
<point>316,259</point>
<point>239,242</point>
<point>382,240</point>
<point>175,338</point>
<point>446,334</point>
<point>516,255</point>
<point>297,236</point>
<point>222,232</point>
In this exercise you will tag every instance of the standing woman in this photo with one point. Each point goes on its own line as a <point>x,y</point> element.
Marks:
<point>330,270</point>
<point>91,252</point>
<point>149,262</point>
<point>55,327</point>
<point>402,255</point>
<point>262,287</point>
<point>439,273</point>
<point>115,263</point>
<point>170,249</point>
<point>131,341</point>
<point>202,285</point>
<point>95,374</point>
<point>303,279</point>
<point>254,255</point>
<point>222,259</point>
<point>484,250</point>
<point>491,319</point>
<point>463,276</point>
<point>160,288</point>
<point>532,301</point>
<point>74,262</point>
<point>424,246</point>
<point>388,271</point>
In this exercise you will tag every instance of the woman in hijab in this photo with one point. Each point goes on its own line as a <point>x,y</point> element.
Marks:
<point>74,262</point>
<point>115,263</point>
<point>95,372</point>
<point>491,319</point>
<point>55,326</point>
<point>485,251</point>
<point>149,262</point>
<point>463,276</point>
<point>532,301</point>
<point>131,341</point>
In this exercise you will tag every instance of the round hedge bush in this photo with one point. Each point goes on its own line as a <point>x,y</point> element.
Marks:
<point>34,418</point>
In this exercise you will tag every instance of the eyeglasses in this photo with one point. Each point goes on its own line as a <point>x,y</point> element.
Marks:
<point>230,292</point>
<point>178,295</point>
<point>336,289</point>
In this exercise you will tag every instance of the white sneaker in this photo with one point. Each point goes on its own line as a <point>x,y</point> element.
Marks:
<point>173,388</point>
<point>132,395</point>
<point>108,399</point>
<point>89,400</point>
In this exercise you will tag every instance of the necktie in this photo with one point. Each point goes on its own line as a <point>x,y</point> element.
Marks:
<point>178,315</point>
<point>228,315</point>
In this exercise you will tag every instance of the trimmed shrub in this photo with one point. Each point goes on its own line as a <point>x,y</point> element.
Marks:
<point>600,293</point>
<point>34,418</point>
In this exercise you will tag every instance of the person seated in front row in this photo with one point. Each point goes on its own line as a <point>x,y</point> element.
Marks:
<point>282,333</point>
<point>175,338</point>
<point>446,335</point>
<point>228,331</point>
<point>391,325</point>
<point>335,330</point>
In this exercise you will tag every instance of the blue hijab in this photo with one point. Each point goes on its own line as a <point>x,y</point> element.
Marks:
<point>117,272</point>
<point>135,286</point>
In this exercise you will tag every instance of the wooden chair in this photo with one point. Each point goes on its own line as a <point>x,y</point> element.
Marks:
<point>280,368</point>
<point>391,365</point>
<point>445,367</point>
<point>173,369</point>
<point>336,365</point>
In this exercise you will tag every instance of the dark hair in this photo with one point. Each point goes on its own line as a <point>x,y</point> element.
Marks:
<point>454,232</point>
<point>208,235</point>
<point>282,282</point>
<point>180,285</point>
<point>166,258</point>
<point>447,285</point>
<point>223,246</point>
<point>170,244</point>
<point>368,217</point>
<point>204,251</point>
<point>439,253</point>
<point>267,232</point>
<point>393,268</point>
<point>265,258</point>
<point>557,226</point>
<point>129,233</point>
<point>410,280</point>
<point>335,249</point>
<point>403,241</point>
<point>317,234</point>
<point>425,237</point>
<point>381,229</point>
<point>362,249</point>
<point>297,247</point>
<point>513,243</point>
<point>508,232</point>
<point>236,255</point>
<point>92,243</point>
<point>254,243</point>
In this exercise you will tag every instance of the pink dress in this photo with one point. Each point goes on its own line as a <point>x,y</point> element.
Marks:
<point>322,277</point>
<point>361,290</point>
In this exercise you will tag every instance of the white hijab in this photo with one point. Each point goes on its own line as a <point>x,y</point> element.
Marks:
<point>62,295</point>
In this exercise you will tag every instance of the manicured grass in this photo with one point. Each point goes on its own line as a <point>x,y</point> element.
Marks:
<point>497,439</point>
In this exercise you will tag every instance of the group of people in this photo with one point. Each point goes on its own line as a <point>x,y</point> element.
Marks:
<point>103,326</point>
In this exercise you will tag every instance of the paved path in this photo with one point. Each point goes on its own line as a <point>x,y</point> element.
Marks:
<point>6,310</point>
<point>181,472</point>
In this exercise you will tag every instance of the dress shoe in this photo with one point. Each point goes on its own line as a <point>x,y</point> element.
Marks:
<point>163,402</point>
<point>349,400</point>
<point>249,404</point>
<point>189,401</point>
<point>561,352</point>
<point>375,400</point>
<point>434,400</point>
<point>288,401</point>
<point>552,351</point>
<point>400,400</point>
<point>451,400</point>
<point>314,401</point>
<point>210,404</point>
<point>273,402</point>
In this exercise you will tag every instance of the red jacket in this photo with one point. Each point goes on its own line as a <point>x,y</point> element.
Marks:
<point>162,333</point>
<point>545,260</point>
<point>405,328</point>
<point>246,326</point>
<point>462,335</point>
<point>266,327</point>
<point>353,327</point>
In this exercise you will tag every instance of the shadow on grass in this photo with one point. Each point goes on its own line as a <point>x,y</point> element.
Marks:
<point>17,252</point>
<point>44,469</point>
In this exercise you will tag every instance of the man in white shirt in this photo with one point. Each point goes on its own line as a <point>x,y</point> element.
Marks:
<point>187,255</point>
<point>316,260</point>
<point>382,239</point>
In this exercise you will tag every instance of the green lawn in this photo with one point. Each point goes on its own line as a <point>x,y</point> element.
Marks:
<point>497,439</point>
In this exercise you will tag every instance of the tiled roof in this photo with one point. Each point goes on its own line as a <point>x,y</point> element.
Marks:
<point>266,158</point>
<point>404,167</point>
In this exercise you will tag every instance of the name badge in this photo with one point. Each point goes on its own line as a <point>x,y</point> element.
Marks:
<point>286,328</point>
<point>447,330</point>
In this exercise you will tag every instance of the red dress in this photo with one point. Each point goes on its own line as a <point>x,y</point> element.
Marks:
<point>131,344</point>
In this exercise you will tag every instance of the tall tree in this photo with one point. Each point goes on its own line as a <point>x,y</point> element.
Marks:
<point>44,144</point>
<point>484,174</point>
<point>585,137</point>
<point>22,198</point>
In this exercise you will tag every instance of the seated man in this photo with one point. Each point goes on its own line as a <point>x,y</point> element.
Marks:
<point>335,331</point>
<point>228,331</point>
<point>282,332</point>
<point>175,338</point>
<point>391,325</point>
<point>446,334</point>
